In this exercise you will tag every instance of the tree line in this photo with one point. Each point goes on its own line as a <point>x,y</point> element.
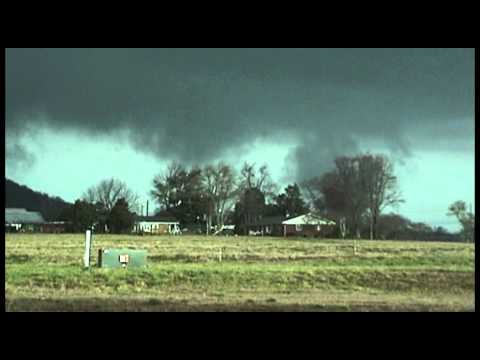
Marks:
<point>215,195</point>
<point>355,193</point>
<point>21,196</point>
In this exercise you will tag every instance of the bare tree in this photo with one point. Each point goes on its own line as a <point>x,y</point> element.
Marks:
<point>336,194</point>
<point>379,185</point>
<point>358,187</point>
<point>261,180</point>
<point>108,192</point>
<point>254,188</point>
<point>464,217</point>
<point>220,187</point>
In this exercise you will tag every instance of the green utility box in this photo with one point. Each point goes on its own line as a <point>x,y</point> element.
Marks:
<point>115,258</point>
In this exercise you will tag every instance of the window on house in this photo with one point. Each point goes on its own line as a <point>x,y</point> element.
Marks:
<point>298,227</point>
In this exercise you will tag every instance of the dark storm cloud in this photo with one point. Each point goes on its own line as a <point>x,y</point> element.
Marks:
<point>193,104</point>
<point>23,158</point>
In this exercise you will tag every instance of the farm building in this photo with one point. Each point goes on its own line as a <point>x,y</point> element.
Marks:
<point>307,225</point>
<point>22,220</point>
<point>156,225</point>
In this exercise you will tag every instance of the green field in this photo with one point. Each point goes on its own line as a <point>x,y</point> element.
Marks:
<point>186,273</point>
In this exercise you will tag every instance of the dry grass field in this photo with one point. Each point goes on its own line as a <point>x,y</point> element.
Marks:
<point>198,273</point>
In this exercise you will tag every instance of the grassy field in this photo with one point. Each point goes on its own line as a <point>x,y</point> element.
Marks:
<point>186,273</point>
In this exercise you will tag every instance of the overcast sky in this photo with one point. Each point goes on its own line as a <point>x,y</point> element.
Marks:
<point>77,116</point>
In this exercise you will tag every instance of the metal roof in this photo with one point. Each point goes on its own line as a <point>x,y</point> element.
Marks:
<point>22,216</point>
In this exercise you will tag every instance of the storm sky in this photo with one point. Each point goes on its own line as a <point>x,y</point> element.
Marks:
<point>77,116</point>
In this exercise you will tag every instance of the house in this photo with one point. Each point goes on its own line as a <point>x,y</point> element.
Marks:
<point>194,228</point>
<point>267,225</point>
<point>304,225</point>
<point>225,230</point>
<point>307,225</point>
<point>54,227</point>
<point>22,220</point>
<point>156,225</point>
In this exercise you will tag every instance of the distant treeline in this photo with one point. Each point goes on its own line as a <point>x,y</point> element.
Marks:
<point>355,193</point>
<point>20,196</point>
<point>396,227</point>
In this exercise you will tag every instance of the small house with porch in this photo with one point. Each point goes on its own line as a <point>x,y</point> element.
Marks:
<point>156,225</point>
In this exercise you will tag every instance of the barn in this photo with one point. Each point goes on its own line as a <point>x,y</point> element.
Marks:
<point>22,220</point>
<point>157,225</point>
<point>307,225</point>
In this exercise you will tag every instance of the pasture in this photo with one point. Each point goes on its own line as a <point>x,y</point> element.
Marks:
<point>44,272</point>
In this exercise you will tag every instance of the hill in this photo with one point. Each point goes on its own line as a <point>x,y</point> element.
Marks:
<point>21,196</point>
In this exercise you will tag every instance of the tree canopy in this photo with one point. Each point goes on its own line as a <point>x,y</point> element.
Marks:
<point>291,203</point>
<point>120,219</point>
<point>179,191</point>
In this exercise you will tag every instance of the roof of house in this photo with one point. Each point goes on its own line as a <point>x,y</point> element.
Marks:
<point>267,220</point>
<point>308,219</point>
<point>270,220</point>
<point>165,219</point>
<point>22,216</point>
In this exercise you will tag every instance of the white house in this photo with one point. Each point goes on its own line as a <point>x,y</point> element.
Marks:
<point>306,225</point>
<point>156,225</point>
